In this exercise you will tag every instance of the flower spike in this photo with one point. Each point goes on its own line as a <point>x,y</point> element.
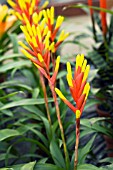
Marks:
<point>26,7</point>
<point>79,88</point>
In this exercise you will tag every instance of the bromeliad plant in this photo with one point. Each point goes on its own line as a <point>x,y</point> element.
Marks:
<point>79,89</point>
<point>40,30</point>
<point>29,122</point>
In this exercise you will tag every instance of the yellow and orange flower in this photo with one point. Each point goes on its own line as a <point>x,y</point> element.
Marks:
<point>6,19</point>
<point>54,27</point>
<point>39,47</point>
<point>78,85</point>
<point>24,9</point>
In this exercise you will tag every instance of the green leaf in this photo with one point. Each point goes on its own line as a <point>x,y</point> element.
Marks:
<point>109,167</point>
<point>3,156</point>
<point>6,169</point>
<point>57,154</point>
<point>90,103</point>
<point>85,150</point>
<point>11,56</point>
<point>14,41</point>
<point>5,112</point>
<point>110,160</point>
<point>7,133</point>
<point>47,167</point>
<point>24,128</point>
<point>15,64</point>
<point>29,166</point>
<point>34,109</point>
<point>92,74</point>
<point>97,59</point>
<point>47,127</point>
<point>35,93</point>
<point>43,160</point>
<point>88,167</point>
<point>23,102</point>
<point>10,95</point>
<point>14,84</point>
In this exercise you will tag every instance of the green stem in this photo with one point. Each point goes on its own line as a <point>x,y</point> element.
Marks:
<point>60,125</point>
<point>77,142</point>
<point>45,97</point>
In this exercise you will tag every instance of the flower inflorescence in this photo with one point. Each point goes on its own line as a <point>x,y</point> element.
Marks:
<point>78,85</point>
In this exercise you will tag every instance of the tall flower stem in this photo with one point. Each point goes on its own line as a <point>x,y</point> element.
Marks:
<point>60,124</point>
<point>45,97</point>
<point>77,142</point>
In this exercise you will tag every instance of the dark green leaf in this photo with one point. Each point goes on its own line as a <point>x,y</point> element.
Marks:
<point>15,64</point>
<point>25,102</point>
<point>29,166</point>
<point>6,133</point>
<point>85,150</point>
<point>57,154</point>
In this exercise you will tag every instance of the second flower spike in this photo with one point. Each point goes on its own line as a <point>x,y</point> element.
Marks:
<point>79,87</point>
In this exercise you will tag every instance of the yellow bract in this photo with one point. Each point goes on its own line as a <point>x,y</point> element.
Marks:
<point>52,15</point>
<point>34,42</point>
<point>45,4</point>
<point>79,60</point>
<point>69,69</point>
<point>59,21</point>
<point>26,54</point>
<point>69,80</point>
<point>62,36</point>
<point>49,15</point>
<point>39,33</point>
<point>34,30</point>
<point>57,63</point>
<point>84,65</point>
<point>23,45</point>
<point>52,47</point>
<point>45,31</point>
<point>78,114</point>
<point>11,3</point>
<point>86,72</point>
<point>46,41</point>
<point>40,58</point>
<point>86,90</point>
<point>60,94</point>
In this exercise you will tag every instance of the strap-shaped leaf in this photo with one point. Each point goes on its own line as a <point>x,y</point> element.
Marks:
<point>97,59</point>
<point>57,154</point>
